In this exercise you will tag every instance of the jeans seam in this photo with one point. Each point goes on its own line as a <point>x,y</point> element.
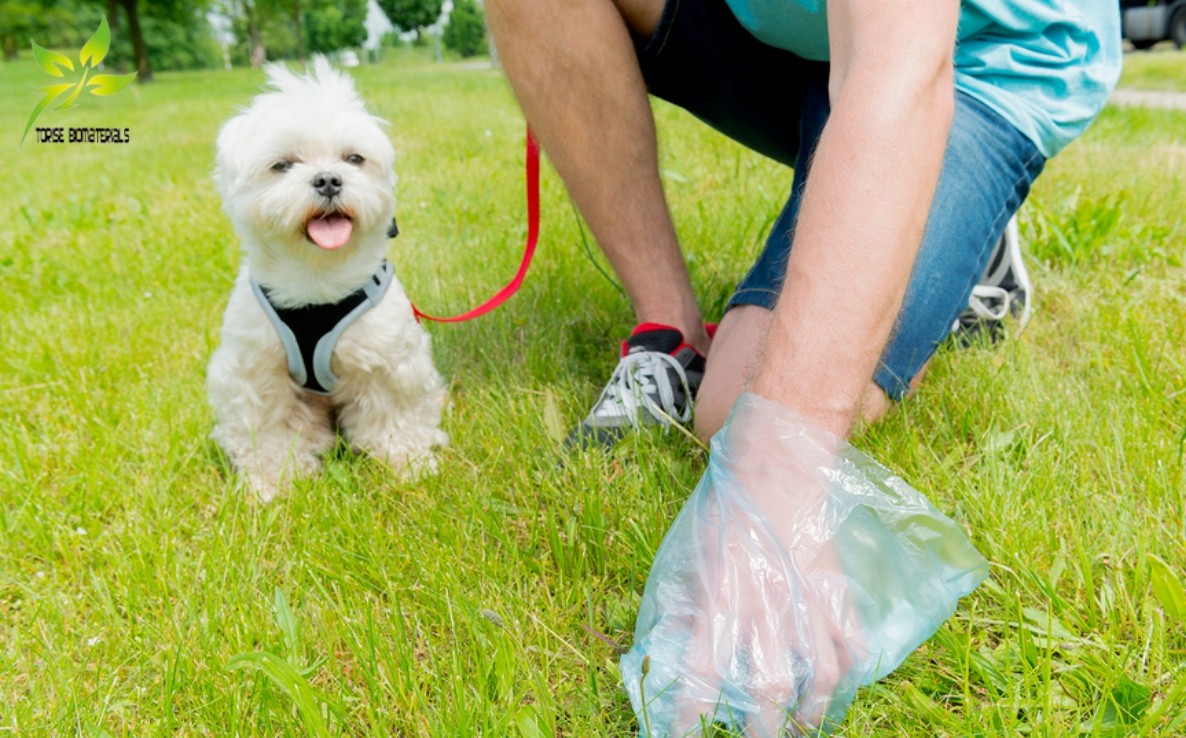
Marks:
<point>662,32</point>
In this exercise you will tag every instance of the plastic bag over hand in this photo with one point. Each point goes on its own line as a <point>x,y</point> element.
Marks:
<point>798,570</point>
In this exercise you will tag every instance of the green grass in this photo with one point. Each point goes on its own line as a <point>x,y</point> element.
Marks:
<point>1162,69</point>
<point>141,595</point>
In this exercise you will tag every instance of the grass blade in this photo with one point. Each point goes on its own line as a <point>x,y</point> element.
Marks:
<point>285,676</point>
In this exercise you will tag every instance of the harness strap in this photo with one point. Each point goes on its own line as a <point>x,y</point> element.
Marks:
<point>310,333</point>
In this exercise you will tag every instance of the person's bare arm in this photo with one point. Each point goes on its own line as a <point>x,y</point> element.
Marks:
<point>575,71</point>
<point>866,203</point>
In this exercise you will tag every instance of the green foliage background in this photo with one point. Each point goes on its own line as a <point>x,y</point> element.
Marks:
<point>177,33</point>
<point>330,26</point>
<point>412,15</point>
<point>466,30</point>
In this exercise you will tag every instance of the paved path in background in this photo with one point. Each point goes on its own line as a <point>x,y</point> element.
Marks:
<point>1149,98</point>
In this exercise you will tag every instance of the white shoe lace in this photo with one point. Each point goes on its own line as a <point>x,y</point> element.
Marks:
<point>639,379</point>
<point>978,304</point>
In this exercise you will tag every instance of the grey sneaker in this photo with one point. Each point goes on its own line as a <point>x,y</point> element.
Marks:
<point>1004,289</point>
<point>654,383</point>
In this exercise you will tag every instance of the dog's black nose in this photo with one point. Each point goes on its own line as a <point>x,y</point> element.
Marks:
<point>327,184</point>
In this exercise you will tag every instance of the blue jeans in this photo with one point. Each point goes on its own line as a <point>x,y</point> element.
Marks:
<point>701,59</point>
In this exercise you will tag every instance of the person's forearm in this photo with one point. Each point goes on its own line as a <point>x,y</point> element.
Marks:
<point>863,214</point>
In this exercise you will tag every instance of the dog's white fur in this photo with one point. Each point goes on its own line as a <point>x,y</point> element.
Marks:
<point>389,396</point>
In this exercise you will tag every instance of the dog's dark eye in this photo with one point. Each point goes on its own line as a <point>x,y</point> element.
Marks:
<point>282,166</point>
<point>355,159</point>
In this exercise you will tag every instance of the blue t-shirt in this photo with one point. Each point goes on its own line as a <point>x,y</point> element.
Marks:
<point>1046,66</point>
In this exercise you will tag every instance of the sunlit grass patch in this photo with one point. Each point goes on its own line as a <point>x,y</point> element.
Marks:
<point>1162,69</point>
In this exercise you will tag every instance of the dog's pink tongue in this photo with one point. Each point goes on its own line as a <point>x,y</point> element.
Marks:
<point>331,231</point>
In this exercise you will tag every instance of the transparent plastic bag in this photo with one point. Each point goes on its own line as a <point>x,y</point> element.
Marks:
<point>799,570</point>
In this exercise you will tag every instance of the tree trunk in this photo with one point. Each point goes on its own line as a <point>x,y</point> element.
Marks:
<point>139,49</point>
<point>259,54</point>
<point>118,63</point>
<point>296,25</point>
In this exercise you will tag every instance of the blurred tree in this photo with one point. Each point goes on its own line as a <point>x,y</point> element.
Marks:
<point>280,29</point>
<point>466,32</point>
<point>335,24</point>
<point>412,15</point>
<point>295,10</point>
<point>163,34</point>
<point>51,24</point>
<point>174,34</point>
<point>249,23</point>
<point>131,10</point>
<point>19,22</point>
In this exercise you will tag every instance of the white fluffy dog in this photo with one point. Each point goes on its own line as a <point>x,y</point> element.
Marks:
<point>318,334</point>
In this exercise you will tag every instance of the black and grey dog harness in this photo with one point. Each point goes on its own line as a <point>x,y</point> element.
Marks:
<point>310,332</point>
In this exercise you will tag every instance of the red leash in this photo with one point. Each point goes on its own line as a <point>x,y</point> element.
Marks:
<point>528,251</point>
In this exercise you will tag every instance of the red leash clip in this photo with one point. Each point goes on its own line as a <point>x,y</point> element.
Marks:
<point>528,252</point>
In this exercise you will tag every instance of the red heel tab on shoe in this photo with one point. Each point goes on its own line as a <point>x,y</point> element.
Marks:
<point>653,337</point>
<point>646,327</point>
<point>666,338</point>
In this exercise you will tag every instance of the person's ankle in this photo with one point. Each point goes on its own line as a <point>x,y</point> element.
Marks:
<point>697,337</point>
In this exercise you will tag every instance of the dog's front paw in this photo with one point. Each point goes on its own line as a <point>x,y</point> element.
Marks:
<point>263,488</point>
<point>266,482</point>
<point>419,467</point>
<point>408,467</point>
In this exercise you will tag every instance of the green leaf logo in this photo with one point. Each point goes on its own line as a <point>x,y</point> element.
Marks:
<point>50,61</point>
<point>61,96</point>
<point>95,49</point>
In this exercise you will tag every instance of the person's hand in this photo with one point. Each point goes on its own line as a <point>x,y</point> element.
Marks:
<point>797,571</point>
